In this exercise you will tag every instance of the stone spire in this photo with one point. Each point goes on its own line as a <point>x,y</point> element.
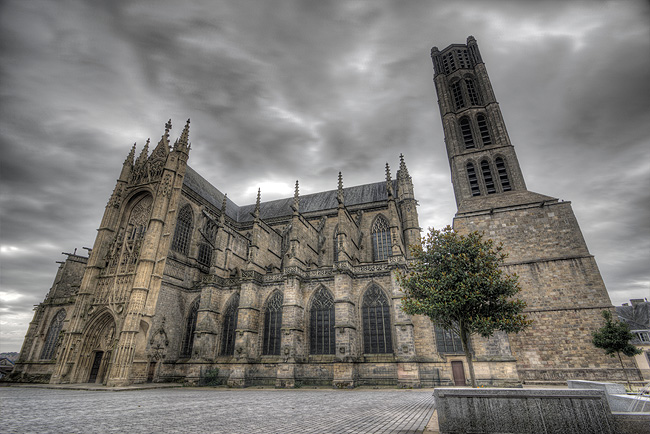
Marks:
<point>389,181</point>
<point>339,193</point>
<point>144,154</point>
<point>162,149</point>
<point>403,172</point>
<point>127,166</point>
<point>256,213</point>
<point>296,199</point>
<point>182,144</point>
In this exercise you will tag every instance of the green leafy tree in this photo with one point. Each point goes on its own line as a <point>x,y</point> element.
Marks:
<point>456,281</point>
<point>614,337</point>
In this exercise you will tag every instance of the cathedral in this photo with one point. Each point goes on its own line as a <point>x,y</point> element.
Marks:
<point>182,284</point>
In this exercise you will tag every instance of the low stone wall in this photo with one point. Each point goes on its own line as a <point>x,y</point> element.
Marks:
<point>503,411</point>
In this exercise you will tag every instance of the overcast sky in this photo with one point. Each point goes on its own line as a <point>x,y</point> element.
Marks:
<point>286,90</point>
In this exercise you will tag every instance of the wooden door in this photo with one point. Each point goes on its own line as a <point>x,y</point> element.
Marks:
<point>97,362</point>
<point>458,371</point>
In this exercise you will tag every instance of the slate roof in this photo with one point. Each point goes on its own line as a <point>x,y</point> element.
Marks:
<point>636,316</point>
<point>357,195</point>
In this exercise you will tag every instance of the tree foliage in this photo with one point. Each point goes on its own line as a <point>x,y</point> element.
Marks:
<point>456,281</point>
<point>614,337</point>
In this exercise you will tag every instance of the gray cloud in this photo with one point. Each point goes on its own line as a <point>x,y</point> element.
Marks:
<point>284,90</point>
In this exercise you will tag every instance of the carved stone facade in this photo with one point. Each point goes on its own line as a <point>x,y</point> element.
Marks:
<point>182,282</point>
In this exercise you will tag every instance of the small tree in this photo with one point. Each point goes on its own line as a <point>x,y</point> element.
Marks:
<point>456,281</point>
<point>614,337</point>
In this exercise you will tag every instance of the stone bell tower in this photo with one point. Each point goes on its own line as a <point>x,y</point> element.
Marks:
<point>560,280</point>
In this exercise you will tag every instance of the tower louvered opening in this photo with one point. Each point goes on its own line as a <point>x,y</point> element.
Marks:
<point>487,177</point>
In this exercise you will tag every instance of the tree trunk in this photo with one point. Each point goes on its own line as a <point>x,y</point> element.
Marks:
<point>627,379</point>
<point>464,338</point>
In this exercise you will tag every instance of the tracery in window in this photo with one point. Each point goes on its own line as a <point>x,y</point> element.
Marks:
<point>487,177</point>
<point>183,232</point>
<point>321,323</point>
<point>503,174</point>
<point>448,341</point>
<point>205,254</point>
<point>381,244</point>
<point>138,219</point>
<point>483,129</point>
<point>272,325</point>
<point>457,93</point>
<point>471,91</point>
<point>473,180</point>
<point>466,131</point>
<point>375,313</point>
<point>190,327</point>
<point>229,326</point>
<point>53,335</point>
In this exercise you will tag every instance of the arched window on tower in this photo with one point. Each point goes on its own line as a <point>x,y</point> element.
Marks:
<point>375,312</point>
<point>272,325</point>
<point>473,180</point>
<point>229,326</point>
<point>321,323</point>
<point>503,174</point>
<point>183,232</point>
<point>472,92</point>
<point>483,129</point>
<point>466,131</point>
<point>487,177</point>
<point>381,245</point>
<point>457,93</point>
<point>190,327</point>
<point>53,335</point>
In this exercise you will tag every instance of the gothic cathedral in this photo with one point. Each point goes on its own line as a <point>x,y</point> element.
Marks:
<point>182,283</point>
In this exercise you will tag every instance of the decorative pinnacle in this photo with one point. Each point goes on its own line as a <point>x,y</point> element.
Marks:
<point>388,178</point>
<point>257,203</point>
<point>339,194</point>
<point>224,203</point>
<point>143,154</point>
<point>168,126</point>
<point>131,156</point>
<point>296,197</point>
<point>186,133</point>
<point>403,171</point>
<point>389,181</point>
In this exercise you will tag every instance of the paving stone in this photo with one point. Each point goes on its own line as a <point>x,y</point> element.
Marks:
<point>268,411</point>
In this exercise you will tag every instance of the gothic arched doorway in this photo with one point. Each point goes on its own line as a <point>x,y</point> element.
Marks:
<point>96,350</point>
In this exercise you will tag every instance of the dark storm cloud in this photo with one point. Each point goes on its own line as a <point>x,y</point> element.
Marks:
<point>285,90</point>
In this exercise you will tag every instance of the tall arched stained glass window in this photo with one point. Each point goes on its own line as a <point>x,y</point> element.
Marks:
<point>473,180</point>
<point>503,174</point>
<point>229,326</point>
<point>375,312</point>
<point>381,245</point>
<point>483,129</point>
<point>466,131</point>
<point>487,177</point>
<point>272,325</point>
<point>53,335</point>
<point>321,323</point>
<point>190,327</point>
<point>183,232</point>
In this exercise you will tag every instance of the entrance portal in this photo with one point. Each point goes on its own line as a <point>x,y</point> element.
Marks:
<point>97,363</point>
<point>458,372</point>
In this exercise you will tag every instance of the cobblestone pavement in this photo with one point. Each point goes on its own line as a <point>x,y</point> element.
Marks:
<point>193,410</point>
